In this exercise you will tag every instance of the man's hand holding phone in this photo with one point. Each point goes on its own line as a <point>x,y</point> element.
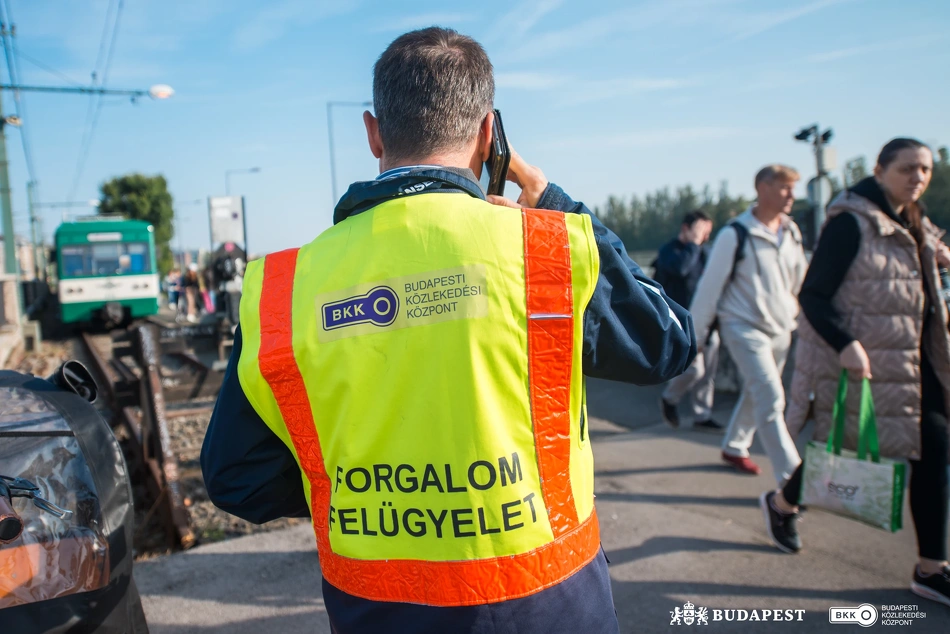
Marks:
<point>529,178</point>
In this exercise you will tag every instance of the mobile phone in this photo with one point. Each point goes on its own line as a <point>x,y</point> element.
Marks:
<point>498,158</point>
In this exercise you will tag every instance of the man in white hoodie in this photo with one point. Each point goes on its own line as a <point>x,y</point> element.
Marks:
<point>750,286</point>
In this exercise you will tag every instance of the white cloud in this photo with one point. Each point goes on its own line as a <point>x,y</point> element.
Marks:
<point>584,90</point>
<point>648,138</point>
<point>645,16</point>
<point>521,18</point>
<point>915,42</point>
<point>272,22</point>
<point>589,91</point>
<point>529,81</point>
<point>411,22</point>
<point>756,24</point>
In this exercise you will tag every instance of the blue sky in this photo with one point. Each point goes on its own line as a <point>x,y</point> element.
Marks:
<point>606,97</point>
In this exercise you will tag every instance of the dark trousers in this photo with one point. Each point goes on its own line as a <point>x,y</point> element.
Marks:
<point>581,603</point>
<point>929,484</point>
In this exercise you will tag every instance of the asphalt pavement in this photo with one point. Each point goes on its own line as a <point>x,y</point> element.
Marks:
<point>681,530</point>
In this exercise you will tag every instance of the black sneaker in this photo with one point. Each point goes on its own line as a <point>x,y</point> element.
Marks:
<point>935,587</point>
<point>670,416</point>
<point>708,425</point>
<point>782,527</point>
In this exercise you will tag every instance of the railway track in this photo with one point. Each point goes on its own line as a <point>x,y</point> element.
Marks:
<point>150,374</point>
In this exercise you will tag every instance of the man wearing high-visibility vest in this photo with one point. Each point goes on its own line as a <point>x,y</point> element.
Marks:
<point>413,378</point>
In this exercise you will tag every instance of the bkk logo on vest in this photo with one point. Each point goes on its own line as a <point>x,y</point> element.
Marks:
<point>420,299</point>
<point>380,306</point>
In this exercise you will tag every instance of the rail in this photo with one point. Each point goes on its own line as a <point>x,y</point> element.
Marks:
<point>140,395</point>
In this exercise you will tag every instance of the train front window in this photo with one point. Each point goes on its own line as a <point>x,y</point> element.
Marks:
<point>77,261</point>
<point>114,258</point>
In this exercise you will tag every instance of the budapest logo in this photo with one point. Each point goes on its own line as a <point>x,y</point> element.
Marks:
<point>689,614</point>
<point>378,307</point>
<point>842,491</point>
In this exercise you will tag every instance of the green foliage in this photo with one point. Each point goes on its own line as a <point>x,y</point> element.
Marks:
<point>646,223</point>
<point>140,197</point>
<point>937,196</point>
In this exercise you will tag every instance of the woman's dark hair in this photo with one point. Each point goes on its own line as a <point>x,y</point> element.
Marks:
<point>890,151</point>
<point>913,212</point>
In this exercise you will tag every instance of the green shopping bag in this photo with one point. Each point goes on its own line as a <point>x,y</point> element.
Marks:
<point>846,483</point>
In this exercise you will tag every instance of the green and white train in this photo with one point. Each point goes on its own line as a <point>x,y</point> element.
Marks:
<point>107,270</point>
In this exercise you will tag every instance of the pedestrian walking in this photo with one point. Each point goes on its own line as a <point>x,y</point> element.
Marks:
<point>412,379</point>
<point>750,287</point>
<point>873,306</point>
<point>190,285</point>
<point>678,266</point>
<point>173,287</point>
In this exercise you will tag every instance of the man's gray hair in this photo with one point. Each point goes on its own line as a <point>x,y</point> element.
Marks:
<point>431,90</point>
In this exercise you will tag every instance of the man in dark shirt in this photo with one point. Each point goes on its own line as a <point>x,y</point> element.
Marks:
<point>679,265</point>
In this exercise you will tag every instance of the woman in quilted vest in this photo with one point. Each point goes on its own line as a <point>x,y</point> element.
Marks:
<point>872,305</point>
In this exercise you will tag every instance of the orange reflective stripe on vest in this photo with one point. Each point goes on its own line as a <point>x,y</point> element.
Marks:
<point>550,348</point>
<point>547,263</point>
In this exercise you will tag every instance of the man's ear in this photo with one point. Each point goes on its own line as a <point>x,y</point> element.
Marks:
<point>372,134</point>
<point>484,136</point>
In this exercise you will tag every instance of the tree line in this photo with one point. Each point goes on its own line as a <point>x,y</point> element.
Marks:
<point>643,224</point>
<point>646,223</point>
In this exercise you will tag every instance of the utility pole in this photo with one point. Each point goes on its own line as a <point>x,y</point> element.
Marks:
<point>6,208</point>
<point>36,236</point>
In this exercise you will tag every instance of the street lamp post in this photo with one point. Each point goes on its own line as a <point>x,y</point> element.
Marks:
<point>227,176</point>
<point>818,139</point>
<point>330,104</point>
<point>158,91</point>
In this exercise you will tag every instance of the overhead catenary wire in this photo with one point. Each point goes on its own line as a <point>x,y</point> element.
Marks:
<point>100,57</point>
<point>41,65</point>
<point>95,110</point>
<point>6,16</point>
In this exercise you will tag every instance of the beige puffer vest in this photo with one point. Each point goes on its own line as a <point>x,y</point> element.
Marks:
<point>882,301</point>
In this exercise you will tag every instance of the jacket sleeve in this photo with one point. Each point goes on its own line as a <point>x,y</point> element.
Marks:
<point>837,249</point>
<point>632,331</point>
<point>678,262</point>
<point>712,282</point>
<point>248,471</point>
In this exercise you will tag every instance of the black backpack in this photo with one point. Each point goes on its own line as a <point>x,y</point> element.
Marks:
<point>742,235</point>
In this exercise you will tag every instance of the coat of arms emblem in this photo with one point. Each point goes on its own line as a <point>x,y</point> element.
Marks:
<point>689,614</point>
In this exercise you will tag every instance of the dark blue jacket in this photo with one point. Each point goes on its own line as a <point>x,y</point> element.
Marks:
<point>632,333</point>
<point>678,269</point>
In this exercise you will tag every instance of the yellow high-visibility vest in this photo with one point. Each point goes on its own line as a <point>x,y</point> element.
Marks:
<point>422,360</point>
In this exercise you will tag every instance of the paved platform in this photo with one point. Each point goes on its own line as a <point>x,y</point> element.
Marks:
<point>677,524</point>
<point>9,342</point>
